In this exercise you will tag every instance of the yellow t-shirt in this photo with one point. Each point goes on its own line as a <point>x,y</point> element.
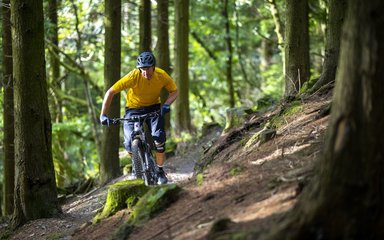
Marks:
<point>141,91</point>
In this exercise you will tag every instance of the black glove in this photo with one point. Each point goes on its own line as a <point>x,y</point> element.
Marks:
<point>105,120</point>
<point>165,109</point>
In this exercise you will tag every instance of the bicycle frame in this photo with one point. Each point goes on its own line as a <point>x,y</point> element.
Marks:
<point>143,154</point>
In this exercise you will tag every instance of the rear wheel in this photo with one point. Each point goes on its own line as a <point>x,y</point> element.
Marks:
<point>137,157</point>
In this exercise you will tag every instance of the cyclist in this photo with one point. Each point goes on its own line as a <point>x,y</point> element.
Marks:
<point>144,85</point>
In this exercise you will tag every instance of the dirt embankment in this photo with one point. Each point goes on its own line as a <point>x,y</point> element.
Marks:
<point>244,188</point>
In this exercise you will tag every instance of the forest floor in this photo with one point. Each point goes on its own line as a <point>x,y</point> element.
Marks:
<point>248,186</point>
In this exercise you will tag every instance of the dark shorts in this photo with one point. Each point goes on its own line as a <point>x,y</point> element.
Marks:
<point>155,124</point>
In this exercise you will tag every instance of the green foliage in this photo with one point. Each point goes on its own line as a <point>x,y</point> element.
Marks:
<point>199,179</point>
<point>73,150</point>
<point>237,169</point>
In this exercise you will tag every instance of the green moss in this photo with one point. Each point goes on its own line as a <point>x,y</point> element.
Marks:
<point>308,85</point>
<point>289,110</point>
<point>199,179</point>
<point>127,169</point>
<point>237,169</point>
<point>54,236</point>
<point>156,199</point>
<point>122,195</point>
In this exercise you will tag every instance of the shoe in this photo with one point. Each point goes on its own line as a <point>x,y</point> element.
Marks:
<point>161,178</point>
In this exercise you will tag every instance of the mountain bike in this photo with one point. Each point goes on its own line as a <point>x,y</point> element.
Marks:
<point>143,162</point>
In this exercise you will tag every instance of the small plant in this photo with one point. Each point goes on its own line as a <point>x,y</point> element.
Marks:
<point>236,170</point>
<point>54,236</point>
<point>199,179</point>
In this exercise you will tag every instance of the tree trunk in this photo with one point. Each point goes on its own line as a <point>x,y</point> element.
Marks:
<point>183,118</point>
<point>54,62</point>
<point>228,41</point>
<point>35,190</point>
<point>347,199</point>
<point>145,25</point>
<point>8,114</point>
<point>297,46</point>
<point>163,60</point>
<point>337,9</point>
<point>279,28</point>
<point>110,164</point>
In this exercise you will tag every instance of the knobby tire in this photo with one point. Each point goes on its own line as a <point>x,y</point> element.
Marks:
<point>151,173</point>
<point>137,157</point>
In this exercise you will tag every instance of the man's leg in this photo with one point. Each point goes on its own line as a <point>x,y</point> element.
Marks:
<point>158,135</point>
<point>128,128</point>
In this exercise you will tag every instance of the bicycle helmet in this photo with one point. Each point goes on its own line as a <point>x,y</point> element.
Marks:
<point>146,59</point>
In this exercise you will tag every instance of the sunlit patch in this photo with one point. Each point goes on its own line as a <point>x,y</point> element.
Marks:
<point>280,152</point>
<point>275,204</point>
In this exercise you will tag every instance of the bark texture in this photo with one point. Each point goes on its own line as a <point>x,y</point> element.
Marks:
<point>163,59</point>
<point>336,16</point>
<point>296,46</point>
<point>35,189</point>
<point>8,114</point>
<point>110,165</point>
<point>346,200</point>
<point>145,25</point>
<point>183,118</point>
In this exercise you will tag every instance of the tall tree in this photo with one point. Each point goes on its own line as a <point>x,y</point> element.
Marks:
<point>336,15</point>
<point>346,201</point>
<point>35,189</point>
<point>8,117</point>
<point>54,61</point>
<point>163,59</point>
<point>110,165</point>
<point>296,46</point>
<point>228,42</point>
<point>145,25</point>
<point>183,118</point>
<point>279,28</point>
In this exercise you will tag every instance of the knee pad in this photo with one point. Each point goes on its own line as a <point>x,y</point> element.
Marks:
<point>160,147</point>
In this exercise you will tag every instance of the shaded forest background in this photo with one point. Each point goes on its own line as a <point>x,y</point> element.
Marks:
<point>236,58</point>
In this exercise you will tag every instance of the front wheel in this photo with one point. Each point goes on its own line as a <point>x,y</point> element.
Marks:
<point>151,171</point>
<point>137,157</point>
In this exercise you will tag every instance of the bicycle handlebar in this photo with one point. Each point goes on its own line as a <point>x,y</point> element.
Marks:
<point>136,118</point>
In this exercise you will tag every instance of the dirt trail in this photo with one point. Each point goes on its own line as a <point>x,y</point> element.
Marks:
<point>79,210</point>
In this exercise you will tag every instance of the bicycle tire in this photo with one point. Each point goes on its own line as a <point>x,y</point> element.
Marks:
<point>137,157</point>
<point>150,173</point>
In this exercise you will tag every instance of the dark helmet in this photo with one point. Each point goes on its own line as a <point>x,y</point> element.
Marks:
<point>146,59</point>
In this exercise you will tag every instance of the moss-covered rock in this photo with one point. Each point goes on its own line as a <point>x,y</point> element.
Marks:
<point>156,199</point>
<point>122,195</point>
<point>287,111</point>
<point>260,137</point>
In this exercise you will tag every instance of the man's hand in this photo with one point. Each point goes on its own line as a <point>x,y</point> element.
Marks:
<point>165,109</point>
<point>105,120</point>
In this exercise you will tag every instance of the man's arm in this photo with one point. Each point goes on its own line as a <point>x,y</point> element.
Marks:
<point>172,97</point>
<point>107,101</point>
